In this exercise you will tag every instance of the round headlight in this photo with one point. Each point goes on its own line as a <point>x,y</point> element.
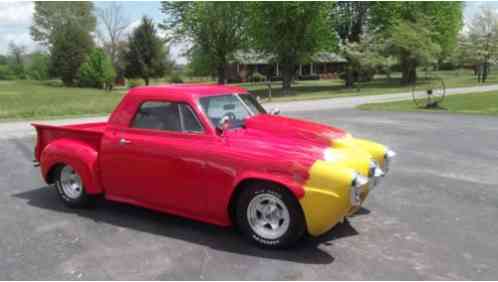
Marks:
<point>356,185</point>
<point>387,159</point>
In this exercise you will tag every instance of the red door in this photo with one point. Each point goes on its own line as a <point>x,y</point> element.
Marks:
<point>155,167</point>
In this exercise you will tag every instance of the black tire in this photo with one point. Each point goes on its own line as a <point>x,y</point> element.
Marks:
<point>296,227</point>
<point>83,200</point>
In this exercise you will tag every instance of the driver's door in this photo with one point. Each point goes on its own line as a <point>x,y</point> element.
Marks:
<point>159,159</point>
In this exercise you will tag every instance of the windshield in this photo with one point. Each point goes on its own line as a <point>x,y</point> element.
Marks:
<point>237,107</point>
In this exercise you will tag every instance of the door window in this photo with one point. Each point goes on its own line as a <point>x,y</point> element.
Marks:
<point>166,116</point>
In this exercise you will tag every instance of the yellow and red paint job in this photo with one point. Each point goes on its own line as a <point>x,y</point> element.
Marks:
<point>315,162</point>
<point>326,200</point>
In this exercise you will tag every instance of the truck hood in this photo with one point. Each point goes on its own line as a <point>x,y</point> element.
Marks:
<point>278,138</point>
<point>287,138</point>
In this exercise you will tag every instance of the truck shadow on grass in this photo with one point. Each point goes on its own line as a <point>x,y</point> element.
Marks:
<point>225,239</point>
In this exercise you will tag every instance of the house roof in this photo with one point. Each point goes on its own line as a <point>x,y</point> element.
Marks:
<point>252,57</point>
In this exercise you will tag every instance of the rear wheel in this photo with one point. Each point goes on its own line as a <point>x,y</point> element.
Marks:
<point>70,187</point>
<point>269,215</point>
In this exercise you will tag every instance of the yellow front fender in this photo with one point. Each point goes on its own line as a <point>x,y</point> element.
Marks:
<point>327,191</point>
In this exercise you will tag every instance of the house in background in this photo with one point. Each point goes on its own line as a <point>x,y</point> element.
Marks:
<point>253,66</point>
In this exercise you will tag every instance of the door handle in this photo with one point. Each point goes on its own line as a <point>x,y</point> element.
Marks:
<point>123,141</point>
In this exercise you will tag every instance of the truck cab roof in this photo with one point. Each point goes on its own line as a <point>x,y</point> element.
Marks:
<point>192,90</point>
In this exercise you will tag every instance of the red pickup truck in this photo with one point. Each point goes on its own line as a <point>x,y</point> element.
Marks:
<point>213,154</point>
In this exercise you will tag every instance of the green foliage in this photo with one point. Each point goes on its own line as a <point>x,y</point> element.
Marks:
<point>65,27</point>
<point>199,63</point>
<point>97,71</point>
<point>50,18</point>
<point>480,44</point>
<point>257,77</point>
<point>6,73</point>
<point>217,30</point>
<point>445,19</point>
<point>134,83</point>
<point>16,64</point>
<point>3,59</point>
<point>175,78</point>
<point>350,18</point>
<point>420,32</point>
<point>146,56</point>
<point>68,51</point>
<point>38,69</point>
<point>365,57</point>
<point>415,40</point>
<point>291,31</point>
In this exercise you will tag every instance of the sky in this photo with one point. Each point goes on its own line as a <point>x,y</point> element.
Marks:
<point>16,18</point>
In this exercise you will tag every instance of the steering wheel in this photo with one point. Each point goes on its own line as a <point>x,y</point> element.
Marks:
<point>231,116</point>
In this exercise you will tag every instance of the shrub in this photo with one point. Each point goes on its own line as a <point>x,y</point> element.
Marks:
<point>257,77</point>
<point>6,73</point>
<point>175,78</point>
<point>134,83</point>
<point>38,69</point>
<point>97,70</point>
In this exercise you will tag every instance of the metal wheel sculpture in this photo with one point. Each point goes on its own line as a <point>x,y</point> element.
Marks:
<point>428,92</point>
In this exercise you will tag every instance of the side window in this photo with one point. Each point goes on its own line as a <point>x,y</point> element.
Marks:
<point>189,120</point>
<point>157,115</point>
<point>166,116</point>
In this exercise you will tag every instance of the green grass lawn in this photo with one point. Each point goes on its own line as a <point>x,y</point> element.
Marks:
<point>28,99</point>
<point>24,99</point>
<point>475,103</point>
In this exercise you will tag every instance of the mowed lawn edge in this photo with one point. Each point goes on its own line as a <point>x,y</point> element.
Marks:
<point>35,100</point>
<point>473,104</point>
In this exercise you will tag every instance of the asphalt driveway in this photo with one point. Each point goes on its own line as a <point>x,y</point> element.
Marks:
<point>434,217</point>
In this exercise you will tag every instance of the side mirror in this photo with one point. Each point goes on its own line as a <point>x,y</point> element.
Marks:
<point>223,125</point>
<point>275,111</point>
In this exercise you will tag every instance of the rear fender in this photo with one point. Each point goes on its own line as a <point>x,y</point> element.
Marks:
<point>77,154</point>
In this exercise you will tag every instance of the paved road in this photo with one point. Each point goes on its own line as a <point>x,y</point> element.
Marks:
<point>352,102</point>
<point>435,217</point>
<point>23,128</point>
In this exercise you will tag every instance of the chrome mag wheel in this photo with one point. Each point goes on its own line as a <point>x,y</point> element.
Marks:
<point>268,216</point>
<point>71,183</point>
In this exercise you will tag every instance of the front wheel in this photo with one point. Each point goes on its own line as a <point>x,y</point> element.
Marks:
<point>269,215</point>
<point>70,187</point>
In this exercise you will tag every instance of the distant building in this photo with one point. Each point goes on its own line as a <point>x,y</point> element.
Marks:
<point>253,66</point>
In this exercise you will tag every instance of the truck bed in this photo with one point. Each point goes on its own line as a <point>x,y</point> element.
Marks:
<point>89,133</point>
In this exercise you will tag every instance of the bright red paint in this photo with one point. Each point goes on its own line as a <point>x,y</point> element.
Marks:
<point>190,174</point>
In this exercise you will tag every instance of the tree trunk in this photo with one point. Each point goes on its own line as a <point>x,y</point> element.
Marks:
<point>67,79</point>
<point>485,71</point>
<point>221,74</point>
<point>408,69</point>
<point>146,80</point>
<point>287,71</point>
<point>349,77</point>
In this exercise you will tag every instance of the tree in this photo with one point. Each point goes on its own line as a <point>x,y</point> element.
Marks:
<point>50,17</point>
<point>350,19</point>
<point>17,52</point>
<point>482,39</point>
<point>97,70</point>
<point>66,29</point>
<point>146,57</point>
<point>68,51</point>
<point>217,29</point>
<point>365,57</point>
<point>38,69</point>
<point>114,25</point>
<point>292,32</point>
<point>436,24</point>
<point>3,59</point>
<point>413,43</point>
<point>199,63</point>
